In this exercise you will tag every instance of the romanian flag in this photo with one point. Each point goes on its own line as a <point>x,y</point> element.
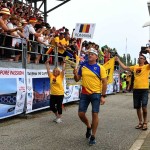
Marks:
<point>84,28</point>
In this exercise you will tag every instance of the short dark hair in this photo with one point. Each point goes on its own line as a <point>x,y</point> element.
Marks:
<point>143,56</point>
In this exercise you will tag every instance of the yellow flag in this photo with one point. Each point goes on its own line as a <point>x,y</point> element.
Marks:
<point>77,61</point>
<point>67,58</point>
<point>77,58</point>
<point>109,66</point>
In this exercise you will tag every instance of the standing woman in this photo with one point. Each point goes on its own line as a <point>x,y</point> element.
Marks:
<point>56,90</point>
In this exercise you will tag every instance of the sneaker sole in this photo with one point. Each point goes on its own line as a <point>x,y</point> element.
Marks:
<point>92,144</point>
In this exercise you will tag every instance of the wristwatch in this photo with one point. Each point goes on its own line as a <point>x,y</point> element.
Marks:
<point>104,95</point>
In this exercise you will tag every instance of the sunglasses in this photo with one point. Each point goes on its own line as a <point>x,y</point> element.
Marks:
<point>141,58</point>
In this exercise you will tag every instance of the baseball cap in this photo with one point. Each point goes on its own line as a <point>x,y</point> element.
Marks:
<point>92,50</point>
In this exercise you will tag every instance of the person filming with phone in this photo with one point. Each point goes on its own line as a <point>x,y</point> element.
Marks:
<point>140,88</point>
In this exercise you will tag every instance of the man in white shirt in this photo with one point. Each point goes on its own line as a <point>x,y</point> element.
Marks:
<point>31,34</point>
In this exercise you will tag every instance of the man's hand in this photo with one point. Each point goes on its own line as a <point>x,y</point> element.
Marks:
<point>19,28</point>
<point>148,49</point>
<point>102,100</point>
<point>75,71</point>
<point>116,58</point>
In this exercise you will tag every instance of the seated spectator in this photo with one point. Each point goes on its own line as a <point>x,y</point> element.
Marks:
<point>5,14</point>
<point>32,35</point>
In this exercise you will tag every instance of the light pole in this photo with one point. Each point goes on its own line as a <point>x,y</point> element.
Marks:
<point>147,24</point>
<point>126,52</point>
<point>148,4</point>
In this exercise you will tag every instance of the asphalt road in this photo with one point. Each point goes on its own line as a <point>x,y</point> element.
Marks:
<point>38,132</point>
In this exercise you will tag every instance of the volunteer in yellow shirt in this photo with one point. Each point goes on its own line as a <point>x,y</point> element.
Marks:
<point>140,88</point>
<point>61,43</point>
<point>56,90</point>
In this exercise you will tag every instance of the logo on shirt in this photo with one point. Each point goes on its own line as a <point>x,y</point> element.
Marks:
<point>138,71</point>
<point>54,80</point>
<point>95,68</point>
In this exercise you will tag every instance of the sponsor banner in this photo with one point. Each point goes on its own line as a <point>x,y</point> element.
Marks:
<point>12,92</point>
<point>38,90</point>
<point>84,31</point>
<point>116,83</point>
<point>69,74</point>
<point>72,92</point>
<point>38,87</point>
<point>114,87</point>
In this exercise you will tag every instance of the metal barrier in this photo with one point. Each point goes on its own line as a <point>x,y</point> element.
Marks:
<point>25,49</point>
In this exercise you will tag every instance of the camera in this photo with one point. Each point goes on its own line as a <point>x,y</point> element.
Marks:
<point>113,52</point>
<point>143,50</point>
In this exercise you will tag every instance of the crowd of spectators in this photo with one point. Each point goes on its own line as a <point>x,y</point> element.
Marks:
<point>21,25</point>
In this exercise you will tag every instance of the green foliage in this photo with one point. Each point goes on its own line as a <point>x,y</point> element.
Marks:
<point>128,59</point>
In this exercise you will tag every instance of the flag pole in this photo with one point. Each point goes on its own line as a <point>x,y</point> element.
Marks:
<point>79,52</point>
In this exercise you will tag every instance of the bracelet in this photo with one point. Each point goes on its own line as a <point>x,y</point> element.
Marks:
<point>104,95</point>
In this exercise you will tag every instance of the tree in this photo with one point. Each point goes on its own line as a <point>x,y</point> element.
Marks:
<point>129,61</point>
<point>134,61</point>
<point>123,59</point>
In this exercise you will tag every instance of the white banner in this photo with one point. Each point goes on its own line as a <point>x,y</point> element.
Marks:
<point>71,92</point>
<point>84,30</point>
<point>12,92</point>
<point>38,90</point>
<point>115,86</point>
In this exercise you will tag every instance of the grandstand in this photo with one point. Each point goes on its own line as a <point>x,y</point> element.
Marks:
<point>27,40</point>
<point>44,3</point>
<point>33,39</point>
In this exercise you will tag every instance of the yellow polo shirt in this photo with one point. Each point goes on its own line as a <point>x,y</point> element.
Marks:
<point>56,84</point>
<point>62,42</point>
<point>141,75</point>
<point>91,83</point>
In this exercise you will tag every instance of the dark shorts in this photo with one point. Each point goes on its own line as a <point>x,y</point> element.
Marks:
<point>140,98</point>
<point>85,100</point>
<point>61,56</point>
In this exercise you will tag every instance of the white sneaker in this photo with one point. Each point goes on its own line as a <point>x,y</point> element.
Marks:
<point>54,120</point>
<point>58,120</point>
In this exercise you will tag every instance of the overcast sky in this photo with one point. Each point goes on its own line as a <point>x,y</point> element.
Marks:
<point>115,21</point>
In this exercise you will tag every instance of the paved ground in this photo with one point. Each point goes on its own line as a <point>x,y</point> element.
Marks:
<point>38,132</point>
